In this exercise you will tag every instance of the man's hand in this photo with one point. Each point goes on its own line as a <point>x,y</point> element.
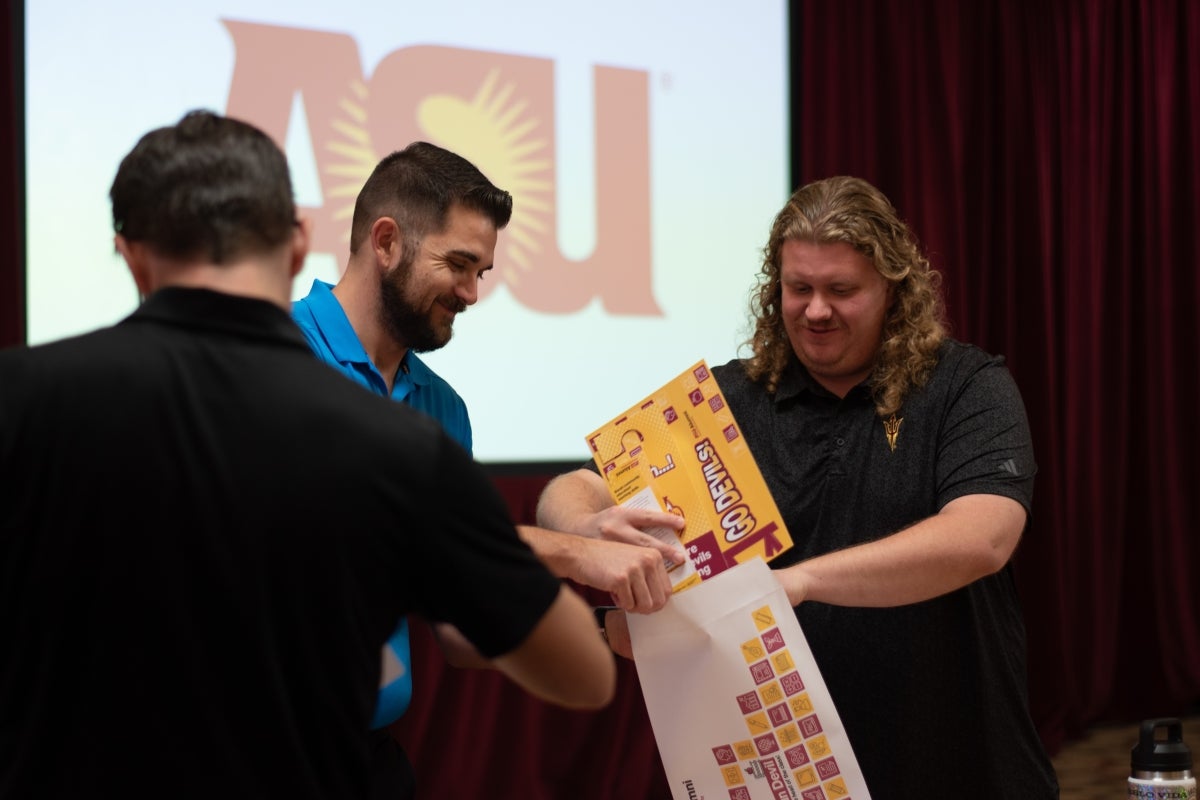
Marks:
<point>578,502</point>
<point>634,576</point>
<point>639,526</point>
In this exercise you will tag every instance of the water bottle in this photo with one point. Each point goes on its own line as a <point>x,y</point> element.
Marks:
<point>1161,769</point>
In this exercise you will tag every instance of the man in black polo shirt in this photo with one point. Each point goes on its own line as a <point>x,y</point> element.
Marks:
<point>902,463</point>
<point>207,535</point>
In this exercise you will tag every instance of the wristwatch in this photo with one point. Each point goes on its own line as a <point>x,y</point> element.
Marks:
<point>601,613</point>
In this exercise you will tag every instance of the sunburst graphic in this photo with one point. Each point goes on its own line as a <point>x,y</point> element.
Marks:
<point>358,157</point>
<point>498,134</point>
<point>493,130</point>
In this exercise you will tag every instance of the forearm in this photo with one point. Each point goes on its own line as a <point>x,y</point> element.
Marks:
<point>457,649</point>
<point>569,500</point>
<point>971,538</point>
<point>564,660</point>
<point>633,574</point>
<point>558,551</point>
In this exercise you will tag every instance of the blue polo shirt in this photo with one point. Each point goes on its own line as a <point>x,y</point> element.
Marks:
<point>332,338</point>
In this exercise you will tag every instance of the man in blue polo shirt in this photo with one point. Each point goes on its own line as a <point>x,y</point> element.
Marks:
<point>423,233</point>
<point>332,337</point>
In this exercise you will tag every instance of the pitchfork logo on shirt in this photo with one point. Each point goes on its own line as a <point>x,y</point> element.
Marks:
<point>891,428</point>
<point>495,109</point>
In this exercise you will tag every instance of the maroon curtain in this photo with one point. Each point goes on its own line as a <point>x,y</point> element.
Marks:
<point>1046,154</point>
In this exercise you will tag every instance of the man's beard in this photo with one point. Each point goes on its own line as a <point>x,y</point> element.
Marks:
<point>404,321</point>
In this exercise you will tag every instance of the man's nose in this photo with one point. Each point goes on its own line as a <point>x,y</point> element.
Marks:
<point>467,289</point>
<point>817,307</point>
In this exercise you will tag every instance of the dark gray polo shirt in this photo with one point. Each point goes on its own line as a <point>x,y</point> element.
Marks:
<point>933,694</point>
<point>833,473</point>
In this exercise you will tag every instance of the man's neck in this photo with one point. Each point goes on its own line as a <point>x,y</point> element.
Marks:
<point>363,310</point>
<point>233,279</point>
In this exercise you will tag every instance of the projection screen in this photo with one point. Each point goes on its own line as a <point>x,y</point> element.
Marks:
<point>645,144</point>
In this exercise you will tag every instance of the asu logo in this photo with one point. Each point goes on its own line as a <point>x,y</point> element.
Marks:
<point>495,109</point>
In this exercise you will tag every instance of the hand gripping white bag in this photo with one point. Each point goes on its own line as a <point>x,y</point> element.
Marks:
<point>739,709</point>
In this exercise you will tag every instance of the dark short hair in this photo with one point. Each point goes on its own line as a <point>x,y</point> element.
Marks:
<point>208,187</point>
<point>417,186</point>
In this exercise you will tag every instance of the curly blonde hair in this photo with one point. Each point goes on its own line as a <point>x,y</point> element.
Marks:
<point>852,211</point>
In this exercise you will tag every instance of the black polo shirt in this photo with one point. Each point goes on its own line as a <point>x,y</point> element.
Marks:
<point>205,539</point>
<point>839,482</point>
<point>933,694</point>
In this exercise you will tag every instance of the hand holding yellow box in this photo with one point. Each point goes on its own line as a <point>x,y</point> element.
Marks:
<point>681,450</point>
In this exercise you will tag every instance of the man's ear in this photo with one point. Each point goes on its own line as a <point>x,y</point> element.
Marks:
<point>387,242</point>
<point>136,259</point>
<point>301,242</point>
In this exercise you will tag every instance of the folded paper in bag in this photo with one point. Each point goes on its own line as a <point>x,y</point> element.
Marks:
<point>738,706</point>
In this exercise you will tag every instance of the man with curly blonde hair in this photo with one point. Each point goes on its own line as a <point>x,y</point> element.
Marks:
<point>902,463</point>
<point>852,212</point>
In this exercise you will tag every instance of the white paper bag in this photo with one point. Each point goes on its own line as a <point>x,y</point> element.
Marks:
<point>738,706</point>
